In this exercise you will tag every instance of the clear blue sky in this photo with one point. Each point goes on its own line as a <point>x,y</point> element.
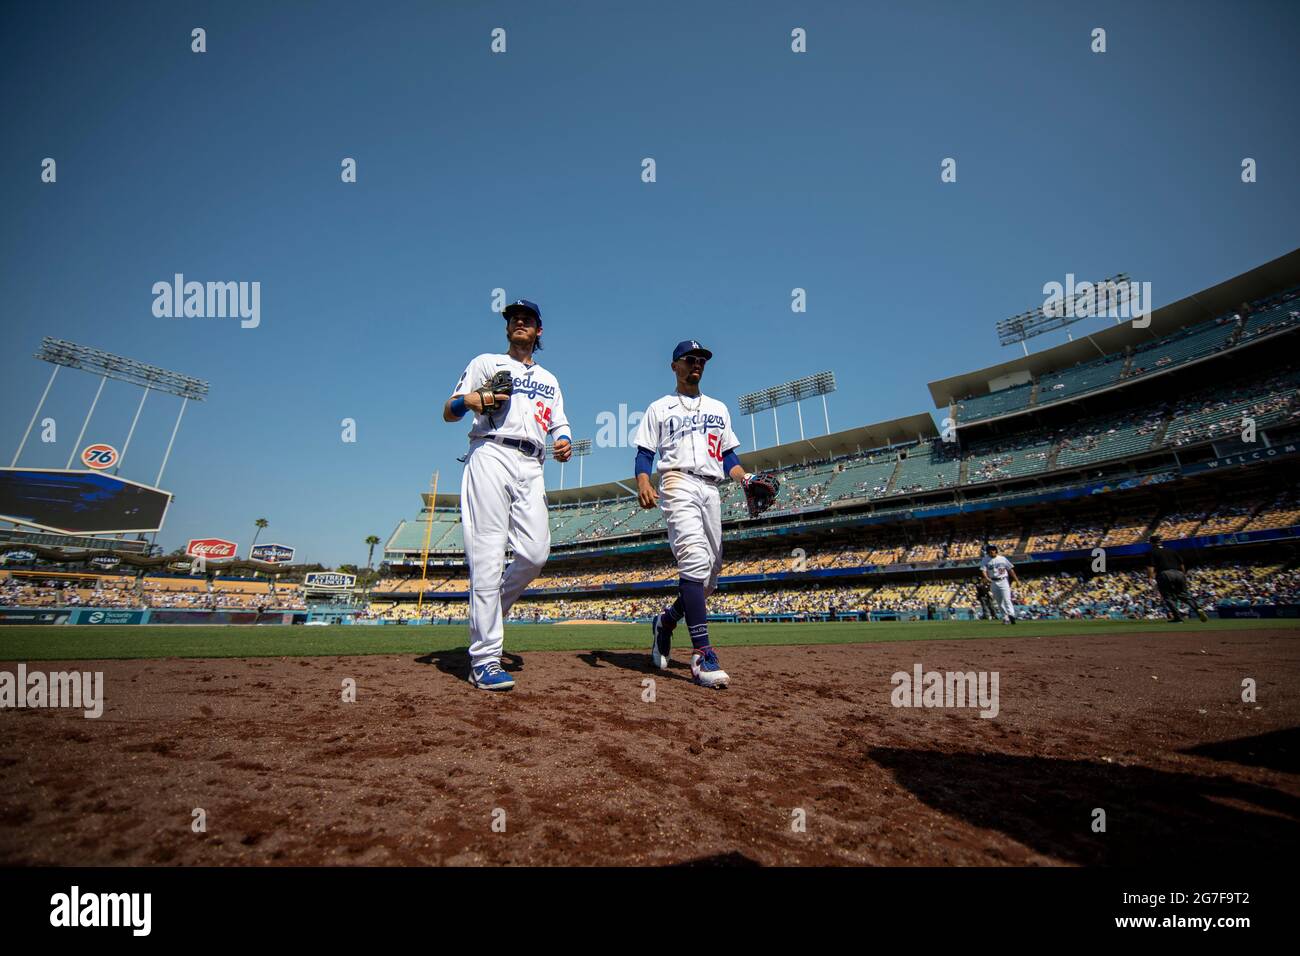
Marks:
<point>522,171</point>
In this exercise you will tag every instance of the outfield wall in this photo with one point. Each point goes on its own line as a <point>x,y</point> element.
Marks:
<point>120,616</point>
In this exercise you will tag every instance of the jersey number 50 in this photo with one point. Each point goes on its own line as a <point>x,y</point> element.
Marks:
<point>715,447</point>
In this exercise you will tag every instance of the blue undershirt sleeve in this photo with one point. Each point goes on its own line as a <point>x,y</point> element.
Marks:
<point>644,460</point>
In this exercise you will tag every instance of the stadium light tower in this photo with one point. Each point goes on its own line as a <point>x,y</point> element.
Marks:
<point>64,354</point>
<point>581,449</point>
<point>792,392</point>
<point>1087,300</point>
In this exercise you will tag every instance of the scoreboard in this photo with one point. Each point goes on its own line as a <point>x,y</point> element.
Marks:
<point>80,502</point>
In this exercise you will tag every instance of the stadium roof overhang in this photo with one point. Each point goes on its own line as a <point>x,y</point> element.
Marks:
<point>898,431</point>
<point>1218,300</point>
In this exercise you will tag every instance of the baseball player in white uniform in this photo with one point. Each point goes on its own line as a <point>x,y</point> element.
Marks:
<point>691,433</point>
<point>1000,573</point>
<point>502,495</point>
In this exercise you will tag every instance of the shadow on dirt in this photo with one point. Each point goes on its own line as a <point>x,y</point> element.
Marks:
<point>1279,750</point>
<point>1151,815</point>
<point>456,662</point>
<point>638,661</point>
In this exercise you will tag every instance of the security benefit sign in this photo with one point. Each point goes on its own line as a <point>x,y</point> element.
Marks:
<point>80,502</point>
<point>272,553</point>
<point>108,616</point>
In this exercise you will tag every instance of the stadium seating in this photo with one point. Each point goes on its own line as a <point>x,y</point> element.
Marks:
<point>1195,342</point>
<point>1087,377</point>
<point>1188,344</point>
<point>993,461</point>
<point>1282,512</point>
<point>1100,439</point>
<point>1124,593</point>
<point>866,478</point>
<point>1208,413</point>
<point>1128,528</point>
<point>1219,414</point>
<point>927,466</point>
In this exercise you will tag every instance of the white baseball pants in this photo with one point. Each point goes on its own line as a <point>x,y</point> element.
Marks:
<point>502,502</point>
<point>1001,593</point>
<point>693,511</point>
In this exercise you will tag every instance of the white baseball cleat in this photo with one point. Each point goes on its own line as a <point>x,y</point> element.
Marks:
<point>706,669</point>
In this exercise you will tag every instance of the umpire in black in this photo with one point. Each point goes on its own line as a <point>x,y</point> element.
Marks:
<point>985,597</point>
<point>1167,571</point>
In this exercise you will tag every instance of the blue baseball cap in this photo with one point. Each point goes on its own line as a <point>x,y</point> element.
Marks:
<point>690,345</point>
<point>520,305</point>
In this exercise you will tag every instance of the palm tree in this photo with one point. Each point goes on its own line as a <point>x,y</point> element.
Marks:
<point>260,523</point>
<point>372,540</point>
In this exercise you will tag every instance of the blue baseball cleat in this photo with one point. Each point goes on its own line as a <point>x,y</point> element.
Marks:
<point>661,642</point>
<point>706,669</point>
<point>490,676</point>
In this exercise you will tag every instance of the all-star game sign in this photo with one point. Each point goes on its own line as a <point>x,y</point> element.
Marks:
<point>272,553</point>
<point>99,456</point>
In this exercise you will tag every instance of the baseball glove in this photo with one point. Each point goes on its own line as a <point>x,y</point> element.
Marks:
<point>760,492</point>
<point>501,383</point>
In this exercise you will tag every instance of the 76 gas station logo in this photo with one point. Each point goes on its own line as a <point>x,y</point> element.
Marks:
<point>99,456</point>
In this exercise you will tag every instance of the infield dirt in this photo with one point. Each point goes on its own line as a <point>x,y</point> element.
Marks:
<point>1151,728</point>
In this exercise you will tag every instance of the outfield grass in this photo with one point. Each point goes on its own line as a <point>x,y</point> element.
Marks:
<point>85,642</point>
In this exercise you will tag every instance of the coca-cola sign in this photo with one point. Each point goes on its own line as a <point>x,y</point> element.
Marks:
<point>211,549</point>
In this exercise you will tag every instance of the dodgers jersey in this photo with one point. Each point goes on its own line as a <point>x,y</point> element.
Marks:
<point>688,434</point>
<point>535,409</point>
<point>997,568</point>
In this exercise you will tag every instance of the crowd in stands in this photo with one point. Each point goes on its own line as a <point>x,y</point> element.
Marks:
<point>1221,413</point>
<point>1210,413</point>
<point>1117,593</point>
<point>893,548</point>
<point>52,589</point>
